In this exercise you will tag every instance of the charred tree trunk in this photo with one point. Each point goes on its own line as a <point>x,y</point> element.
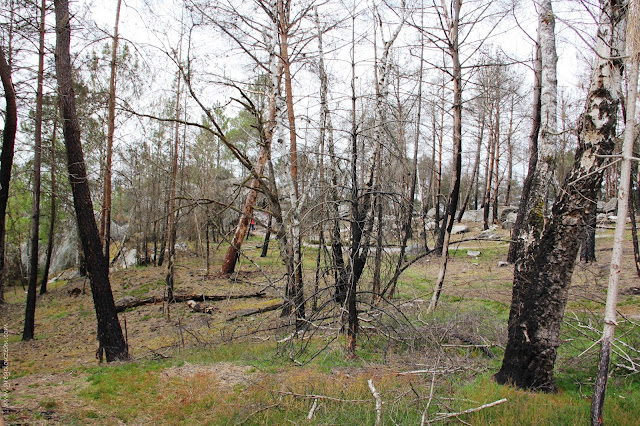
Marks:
<point>110,337</point>
<point>454,195</point>
<point>542,278</point>
<point>52,211</point>
<point>588,249</point>
<point>6,157</point>
<point>30,311</point>
<point>516,245</point>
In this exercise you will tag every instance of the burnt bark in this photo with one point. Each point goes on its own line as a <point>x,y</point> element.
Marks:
<point>516,245</point>
<point>454,195</point>
<point>110,337</point>
<point>588,249</point>
<point>6,157</point>
<point>52,211</point>
<point>30,310</point>
<point>542,279</point>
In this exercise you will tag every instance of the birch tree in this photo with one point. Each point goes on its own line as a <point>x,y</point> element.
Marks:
<point>542,278</point>
<point>624,189</point>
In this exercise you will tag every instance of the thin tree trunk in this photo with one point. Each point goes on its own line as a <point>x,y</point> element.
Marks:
<point>610,317</point>
<point>267,237</point>
<point>507,197</point>
<point>52,211</point>
<point>491,155</point>
<point>454,195</point>
<point>476,169</point>
<point>516,245</point>
<point>172,213</point>
<point>407,225</point>
<point>588,249</point>
<point>30,310</point>
<point>105,216</point>
<point>296,290</point>
<point>231,257</point>
<point>6,157</point>
<point>110,337</point>
<point>633,208</point>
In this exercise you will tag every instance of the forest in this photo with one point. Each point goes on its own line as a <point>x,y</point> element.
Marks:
<point>275,211</point>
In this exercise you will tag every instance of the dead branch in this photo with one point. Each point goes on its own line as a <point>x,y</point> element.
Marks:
<point>443,416</point>
<point>255,311</point>
<point>378,398</point>
<point>133,302</point>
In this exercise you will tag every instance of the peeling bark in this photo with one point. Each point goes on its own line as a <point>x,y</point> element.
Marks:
<point>542,278</point>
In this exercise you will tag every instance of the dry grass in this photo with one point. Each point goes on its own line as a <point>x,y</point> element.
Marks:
<point>197,368</point>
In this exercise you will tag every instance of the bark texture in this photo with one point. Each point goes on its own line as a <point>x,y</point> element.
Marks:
<point>30,311</point>
<point>542,279</point>
<point>110,337</point>
<point>6,157</point>
<point>454,195</point>
<point>539,178</point>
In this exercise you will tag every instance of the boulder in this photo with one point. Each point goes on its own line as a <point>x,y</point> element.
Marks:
<point>459,229</point>
<point>432,211</point>
<point>487,234</point>
<point>610,206</point>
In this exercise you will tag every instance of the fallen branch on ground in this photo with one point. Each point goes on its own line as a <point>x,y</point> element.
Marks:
<point>378,399</point>
<point>442,416</point>
<point>133,302</point>
<point>250,312</point>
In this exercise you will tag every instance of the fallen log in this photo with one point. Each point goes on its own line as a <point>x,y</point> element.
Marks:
<point>249,312</point>
<point>133,302</point>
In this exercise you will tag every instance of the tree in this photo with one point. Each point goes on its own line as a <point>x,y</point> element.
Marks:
<point>542,279</point>
<point>29,318</point>
<point>451,30</point>
<point>105,215</point>
<point>624,189</point>
<point>110,338</point>
<point>6,157</point>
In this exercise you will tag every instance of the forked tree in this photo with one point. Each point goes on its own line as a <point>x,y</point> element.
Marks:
<point>542,280</point>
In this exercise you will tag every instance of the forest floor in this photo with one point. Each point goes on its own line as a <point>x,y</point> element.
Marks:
<point>231,366</point>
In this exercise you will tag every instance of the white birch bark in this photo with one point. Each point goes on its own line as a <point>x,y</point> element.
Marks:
<point>610,317</point>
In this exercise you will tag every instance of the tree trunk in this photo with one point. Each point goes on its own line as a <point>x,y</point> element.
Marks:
<point>610,317</point>
<point>491,155</point>
<point>267,237</point>
<point>454,195</point>
<point>542,278</point>
<point>407,225</point>
<point>52,211</point>
<point>105,216</point>
<point>30,313</point>
<point>110,337</point>
<point>588,249</point>
<point>6,157</point>
<point>516,245</point>
<point>231,257</point>
<point>476,169</point>
<point>633,208</point>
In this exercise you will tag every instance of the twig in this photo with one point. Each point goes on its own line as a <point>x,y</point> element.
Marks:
<point>424,413</point>
<point>328,398</point>
<point>378,399</point>
<point>431,371</point>
<point>442,416</point>
<point>313,409</point>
